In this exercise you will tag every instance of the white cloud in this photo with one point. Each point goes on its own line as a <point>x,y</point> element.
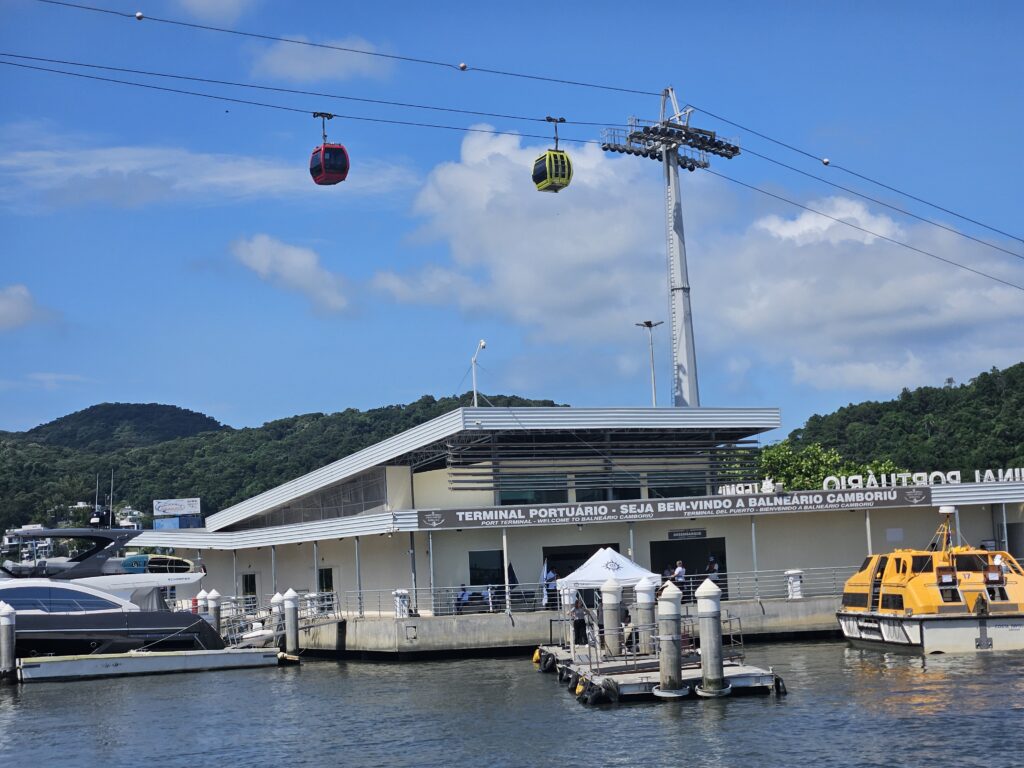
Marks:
<point>222,11</point>
<point>309,64</point>
<point>135,176</point>
<point>294,268</point>
<point>54,381</point>
<point>583,265</point>
<point>17,307</point>
<point>846,310</point>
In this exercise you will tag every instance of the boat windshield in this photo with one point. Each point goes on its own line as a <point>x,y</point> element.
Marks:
<point>970,562</point>
<point>922,564</point>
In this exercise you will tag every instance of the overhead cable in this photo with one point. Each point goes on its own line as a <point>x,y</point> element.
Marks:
<point>868,231</point>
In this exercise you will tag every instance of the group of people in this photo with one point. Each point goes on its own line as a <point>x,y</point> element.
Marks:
<point>686,584</point>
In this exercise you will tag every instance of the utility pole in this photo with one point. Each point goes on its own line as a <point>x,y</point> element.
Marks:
<point>472,364</point>
<point>673,141</point>
<point>650,326</point>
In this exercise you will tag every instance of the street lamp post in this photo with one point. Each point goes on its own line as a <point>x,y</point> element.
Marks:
<point>650,326</point>
<point>481,345</point>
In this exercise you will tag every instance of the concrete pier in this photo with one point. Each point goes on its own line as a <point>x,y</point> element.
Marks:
<point>611,602</point>
<point>290,602</point>
<point>709,616</point>
<point>644,618</point>
<point>8,637</point>
<point>213,607</point>
<point>670,646</point>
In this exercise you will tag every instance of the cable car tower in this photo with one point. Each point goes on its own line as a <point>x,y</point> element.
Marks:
<point>675,143</point>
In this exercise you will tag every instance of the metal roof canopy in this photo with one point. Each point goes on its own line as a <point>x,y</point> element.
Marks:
<point>421,445</point>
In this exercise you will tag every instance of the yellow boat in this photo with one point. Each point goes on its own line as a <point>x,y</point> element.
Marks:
<point>948,598</point>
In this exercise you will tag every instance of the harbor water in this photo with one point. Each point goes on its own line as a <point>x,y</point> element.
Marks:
<point>846,707</point>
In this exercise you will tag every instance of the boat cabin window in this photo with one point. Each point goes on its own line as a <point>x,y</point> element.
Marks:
<point>865,564</point>
<point>53,600</point>
<point>921,564</point>
<point>970,562</point>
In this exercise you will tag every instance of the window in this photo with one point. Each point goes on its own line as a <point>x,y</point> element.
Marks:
<point>314,163</point>
<point>485,567</point>
<point>54,600</point>
<point>325,580</point>
<point>535,490</point>
<point>921,564</point>
<point>865,564</point>
<point>892,602</point>
<point>335,160</point>
<point>970,562</point>
<point>855,599</point>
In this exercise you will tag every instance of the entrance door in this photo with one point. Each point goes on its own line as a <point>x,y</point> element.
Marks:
<point>695,554</point>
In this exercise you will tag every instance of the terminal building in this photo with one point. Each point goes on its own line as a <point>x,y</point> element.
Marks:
<point>492,498</point>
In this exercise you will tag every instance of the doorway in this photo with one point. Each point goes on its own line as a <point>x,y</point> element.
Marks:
<point>695,554</point>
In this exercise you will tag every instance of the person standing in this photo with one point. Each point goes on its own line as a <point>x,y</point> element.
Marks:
<point>551,585</point>
<point>578,614</point>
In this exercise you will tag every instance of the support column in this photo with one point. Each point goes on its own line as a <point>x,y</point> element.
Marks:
<point>867,527</point>
<point>611,600</point>
<point>684,357</point>
<point>234,572</point>
<point>213,608</point>
<point>273,567</point>
<point>412,566</point>
<point>430,563</point>
<point>753,551</point>
<point>504,559</point>
<point>1006,535</point>
<point>959,533</point>
<point>644,591</point>
<point>316,568</point>
<point>359,581</point>
<point>632,544</point>
<point>670,673</point>
<point>709,616</point>
<point>8,637</point>
<point>291,621</point>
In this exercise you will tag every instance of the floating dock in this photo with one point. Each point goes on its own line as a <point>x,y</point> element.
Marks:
<point>636,677</point>
<point>53,668</point>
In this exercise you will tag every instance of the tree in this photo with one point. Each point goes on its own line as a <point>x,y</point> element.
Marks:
<point>806,467</point>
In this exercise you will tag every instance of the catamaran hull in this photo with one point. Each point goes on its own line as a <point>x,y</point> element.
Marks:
<point>936,634</point>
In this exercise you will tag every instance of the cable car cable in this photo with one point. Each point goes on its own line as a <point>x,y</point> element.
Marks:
<point>748,151</point>
<point>831,164</point>
<point>868,231</point>
<point>464,67</point>
<point>296,91</point>
<point>412,123</point>
<point>500,133</point>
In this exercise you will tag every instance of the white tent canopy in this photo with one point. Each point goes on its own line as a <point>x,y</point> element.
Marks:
<point>604,564</point>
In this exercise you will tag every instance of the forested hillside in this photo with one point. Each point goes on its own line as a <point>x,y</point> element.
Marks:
<point>978,425</point>
<point>222,467</point>
<point>111,426</point>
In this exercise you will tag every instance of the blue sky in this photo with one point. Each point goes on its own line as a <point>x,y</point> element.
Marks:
<point>165,248</point>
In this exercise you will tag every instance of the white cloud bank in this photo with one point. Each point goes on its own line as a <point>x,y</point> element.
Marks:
<point>135,176</point>
<point>293,268</point>
<point>841,308</point>
<point>17,307</point>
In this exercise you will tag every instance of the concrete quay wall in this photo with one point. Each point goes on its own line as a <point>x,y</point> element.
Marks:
<point>440,635</point>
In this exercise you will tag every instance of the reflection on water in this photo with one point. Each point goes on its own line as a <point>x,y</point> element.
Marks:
<point>846,707</point>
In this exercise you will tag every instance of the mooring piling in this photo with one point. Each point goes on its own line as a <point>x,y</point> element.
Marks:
<point>611,600</point>
<point>670,683</point>
<point>213,606</point>
<point>290,600</point>
<point>709,616</point>
<point>8,637</point>
<point>644,618</point>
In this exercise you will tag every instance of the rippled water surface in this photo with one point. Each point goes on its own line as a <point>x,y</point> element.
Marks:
<point>845,707</point>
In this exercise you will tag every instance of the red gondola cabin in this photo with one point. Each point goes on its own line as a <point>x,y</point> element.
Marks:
<point>329,164</point>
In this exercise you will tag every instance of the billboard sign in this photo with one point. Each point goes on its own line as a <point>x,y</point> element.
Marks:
<point>670,509</point>
<point>175,507</point>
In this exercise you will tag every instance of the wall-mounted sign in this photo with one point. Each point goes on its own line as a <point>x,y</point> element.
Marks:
<point>905,479</point>
<point>688,533</point>
<point>166,507</point>
<point>669,509</point>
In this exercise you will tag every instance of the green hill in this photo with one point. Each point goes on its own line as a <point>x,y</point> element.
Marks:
<point>222,466</point>
<point>110,426</point>
<point>978,425</point>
